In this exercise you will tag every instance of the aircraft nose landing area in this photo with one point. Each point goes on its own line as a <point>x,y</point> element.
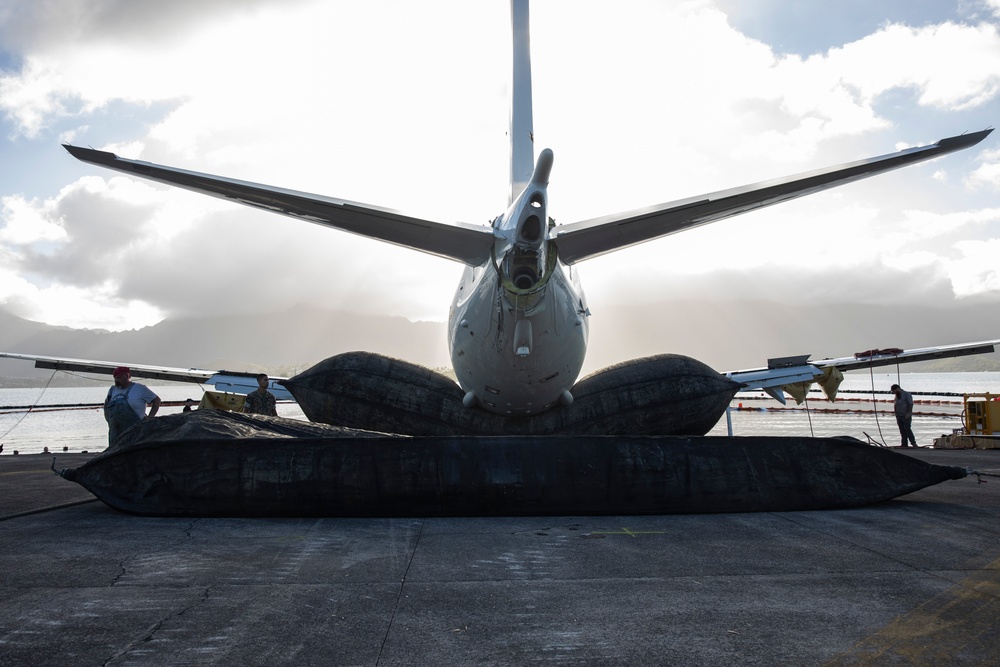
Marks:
<point>911,581</point>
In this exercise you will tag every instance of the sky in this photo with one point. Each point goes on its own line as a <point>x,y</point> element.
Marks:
<point>403,105</point>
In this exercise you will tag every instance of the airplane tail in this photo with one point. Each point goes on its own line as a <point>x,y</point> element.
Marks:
<point>522,150</point>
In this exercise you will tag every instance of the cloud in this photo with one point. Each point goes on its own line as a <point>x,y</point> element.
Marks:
<point>25,224</point>
<point>642,102</point>
<point>60,257</point>
<point>952,66</point>
<point>145,249</point>
<point>816,250</point>
<point>89,308</point>
<point>27,25</point>
<point>978,270</point>
<point>987,175</point>
<point>835,94</point>
<point>99,226</point>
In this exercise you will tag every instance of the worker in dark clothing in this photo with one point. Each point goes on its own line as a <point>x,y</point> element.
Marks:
<point>903,407</point>
<point>261,401</point>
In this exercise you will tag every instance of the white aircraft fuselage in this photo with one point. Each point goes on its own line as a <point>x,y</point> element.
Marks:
<point>517,327</point>
<point>518,323</point>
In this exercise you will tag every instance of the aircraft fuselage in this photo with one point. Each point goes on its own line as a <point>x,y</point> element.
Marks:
<point>518,322</point>
<point>517,352</point>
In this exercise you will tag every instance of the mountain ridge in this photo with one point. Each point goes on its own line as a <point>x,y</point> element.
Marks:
<point>288,341</point>
<point>725,335</point>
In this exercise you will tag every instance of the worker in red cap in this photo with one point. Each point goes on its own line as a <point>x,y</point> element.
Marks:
<point>126,403</point>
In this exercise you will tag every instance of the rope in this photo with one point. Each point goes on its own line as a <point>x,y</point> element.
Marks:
<point>878,423</point>
<point>809,416</point>
<point>103,380</point>
<point>872,441</point>
<point>18,422</point>
<point>34,407</point>
<point>979,475</point>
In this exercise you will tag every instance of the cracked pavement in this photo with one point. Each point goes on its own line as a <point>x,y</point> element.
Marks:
<point>910,581</point>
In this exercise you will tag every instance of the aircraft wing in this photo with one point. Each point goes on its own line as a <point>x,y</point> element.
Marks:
<point>796,373</point>
<point>892,356</point>
<point>235,382</point>
<point>582,240</point>
<point>470,244</point>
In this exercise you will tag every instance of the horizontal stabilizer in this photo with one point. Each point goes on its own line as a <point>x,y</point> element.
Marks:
<point>582,240</point>
<point>470,244</point>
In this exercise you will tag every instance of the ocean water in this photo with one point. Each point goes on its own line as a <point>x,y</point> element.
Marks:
<point>938,410</point>
<point>80,428</point>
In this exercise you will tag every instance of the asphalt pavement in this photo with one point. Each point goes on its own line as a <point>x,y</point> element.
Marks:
<point>913,581</point>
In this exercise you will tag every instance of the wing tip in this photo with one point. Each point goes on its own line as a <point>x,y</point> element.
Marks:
<point>90,154</point>
<point>965,140</point>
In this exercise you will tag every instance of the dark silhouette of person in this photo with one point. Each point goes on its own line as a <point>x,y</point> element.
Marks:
<point>903,407</point>
<point>261,401</point>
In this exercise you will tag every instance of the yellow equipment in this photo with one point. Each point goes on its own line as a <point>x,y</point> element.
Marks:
<point>982,413</point>
<point>217,400</point>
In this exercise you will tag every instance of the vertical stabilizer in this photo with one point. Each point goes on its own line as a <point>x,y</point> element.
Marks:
<point>522,153</point>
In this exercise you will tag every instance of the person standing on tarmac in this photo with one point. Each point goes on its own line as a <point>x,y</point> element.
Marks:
<point>903,407</point>
<point>126,403</point>
<point>261,401</point>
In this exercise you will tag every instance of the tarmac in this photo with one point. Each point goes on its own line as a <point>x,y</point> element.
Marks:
<point>913,581</point>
